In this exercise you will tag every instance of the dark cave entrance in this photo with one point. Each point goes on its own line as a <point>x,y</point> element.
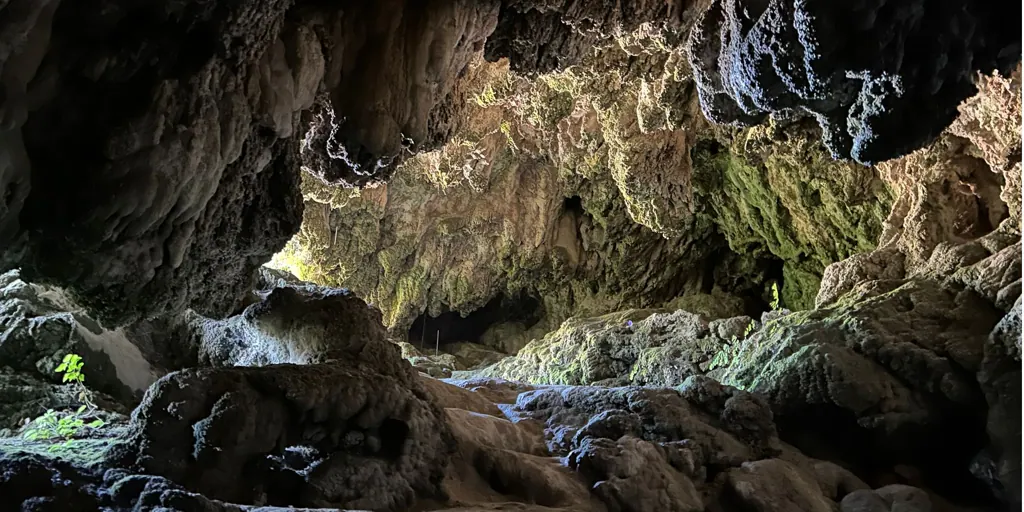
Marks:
<point>451,326</point>
<point>754,291</point>
<point>573,204</point>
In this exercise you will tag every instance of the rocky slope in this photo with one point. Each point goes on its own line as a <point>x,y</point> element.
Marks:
<point>355,427</point>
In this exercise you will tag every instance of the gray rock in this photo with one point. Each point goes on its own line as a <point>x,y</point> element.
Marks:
<point>891,498</point>
<point>200,428</point>
<point>1000,379</point>
<point>39,325</point>
<point>294,322</point>
<point>775,485</point>
<point>891,355</point>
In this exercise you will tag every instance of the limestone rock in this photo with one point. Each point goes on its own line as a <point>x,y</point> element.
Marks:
<point>147,180</point>
<point>991,121</point>
<point>593,189</point>
<point>751,60</point>
<point>633,475</point>
<point>295,323</point>
<point>842,276</point>
<point>449,396</point>
<point>893,359</point>
<point>889,498</point>
<point>775,485</point>
<point>201,427</point>
<point>637,345</point>
<point>1000,378</point>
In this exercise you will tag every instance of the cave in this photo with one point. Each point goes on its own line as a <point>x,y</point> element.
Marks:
<point>452,326</point>
<point>220,220</point>
<point>573,204</point>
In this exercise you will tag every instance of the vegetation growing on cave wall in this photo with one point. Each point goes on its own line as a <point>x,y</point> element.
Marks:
<point>594,189</point>
<point>774,190</point>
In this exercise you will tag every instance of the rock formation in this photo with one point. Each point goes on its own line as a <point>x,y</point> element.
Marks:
<point>593,189</point>
<point>175,176</point>
<point>650,282</point>
<point>859,69</point>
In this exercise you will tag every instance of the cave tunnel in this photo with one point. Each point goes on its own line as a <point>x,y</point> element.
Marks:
<point>753,291</point>
<point>573,204</point>
<point>451,326</point>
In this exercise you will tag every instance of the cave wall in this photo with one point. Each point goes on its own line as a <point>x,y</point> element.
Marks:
<point>152,151</point>
<point>660,219</point>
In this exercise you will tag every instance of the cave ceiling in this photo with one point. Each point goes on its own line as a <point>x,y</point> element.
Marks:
<point>152,151</point>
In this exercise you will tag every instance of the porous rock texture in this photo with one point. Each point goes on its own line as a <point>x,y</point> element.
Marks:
<point>151,164</point>
<point>905,350</point>
<point>957,203</point>
<point>860,69</point>
<point>593,189</point>
<point>292,322</point>
<point>151,152</point>
<point>359,429</point>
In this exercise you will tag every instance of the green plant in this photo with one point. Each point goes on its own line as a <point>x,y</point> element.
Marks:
<point>64,427</point>
<point>750,328</point>
<point>71,366</point>
<point>775,296</point>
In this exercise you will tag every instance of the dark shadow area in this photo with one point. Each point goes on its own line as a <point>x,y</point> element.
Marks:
<point>750,288</point>
<point>393,434</point>
<point>573,204</point>
<point>451,326</point>
<point>936,459</point>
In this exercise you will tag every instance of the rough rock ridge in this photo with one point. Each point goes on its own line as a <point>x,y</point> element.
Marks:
<point>360,429</point>
<point>881,78</point>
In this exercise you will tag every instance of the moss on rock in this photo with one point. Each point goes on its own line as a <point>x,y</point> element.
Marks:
<point>782,194</point>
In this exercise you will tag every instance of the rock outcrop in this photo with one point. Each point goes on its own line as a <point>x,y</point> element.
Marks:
<point>794,332</point>
<point>594,189</point>
<point>860,69</point>
<point>895,368</point>
<point>152,152</point>
<point>39,325</point>
<point>293,322</point>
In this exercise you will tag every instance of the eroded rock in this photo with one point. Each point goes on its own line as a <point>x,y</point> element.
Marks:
<point>375,443</point>
<point>845,66</point>
<point>39,325</point>
<point>148,180</point>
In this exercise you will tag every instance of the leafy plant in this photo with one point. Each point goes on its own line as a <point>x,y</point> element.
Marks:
<point>775,296</point>
<point>64,427</point>
<point>72,368</point>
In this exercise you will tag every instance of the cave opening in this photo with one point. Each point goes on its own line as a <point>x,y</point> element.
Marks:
<point>452,327</point>
<point>573,204</point>
<point>753,289</point>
